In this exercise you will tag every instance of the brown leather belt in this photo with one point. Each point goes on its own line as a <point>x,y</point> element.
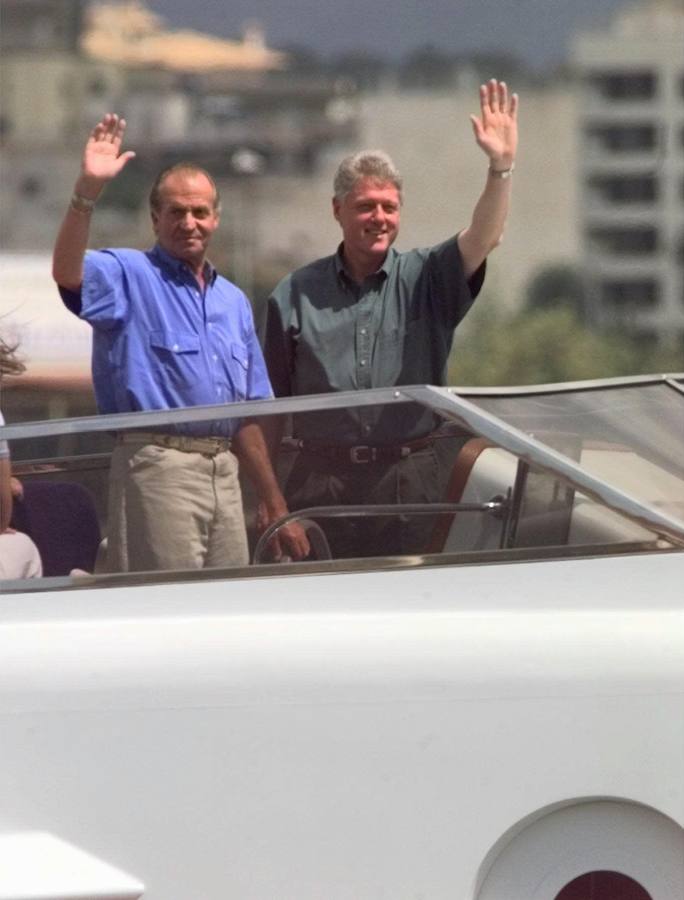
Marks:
<point>365,453</point>
<point>209,446</point>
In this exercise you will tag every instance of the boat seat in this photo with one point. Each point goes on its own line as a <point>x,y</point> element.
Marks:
<point>479,473</point>
<point>61,519</point>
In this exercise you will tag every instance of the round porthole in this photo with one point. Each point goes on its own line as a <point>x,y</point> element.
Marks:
<point>587,850</point>
<point>603,885</point>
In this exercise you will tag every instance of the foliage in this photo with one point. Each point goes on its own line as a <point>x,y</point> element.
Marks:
<point>551,345</point>
<point>557,285</point>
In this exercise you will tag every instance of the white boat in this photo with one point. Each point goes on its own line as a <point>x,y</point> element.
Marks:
<point>501,718</point>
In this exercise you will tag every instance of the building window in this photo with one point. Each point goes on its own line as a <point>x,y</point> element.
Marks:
<point>624,189</point>
<point>624,86</point>
<point>603,885</point>
<point>31,187</point>
<point>632,241</point>
<point>638,294</point>
<point>624,138</point>
<point>97,87</point>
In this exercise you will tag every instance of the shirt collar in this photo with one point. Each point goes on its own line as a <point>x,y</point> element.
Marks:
<point>344,275</point>
<point>179,268</point>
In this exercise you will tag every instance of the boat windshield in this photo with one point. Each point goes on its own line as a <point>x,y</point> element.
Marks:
<point>643,424</point>
<point>494,475</point>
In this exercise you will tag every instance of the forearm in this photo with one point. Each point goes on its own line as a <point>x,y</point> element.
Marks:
<point>102,160</point>
<point>496,133</point>
<point>72,239</point>
<point>272,428</point>
<point>486,227</point>
<point>251,448</point>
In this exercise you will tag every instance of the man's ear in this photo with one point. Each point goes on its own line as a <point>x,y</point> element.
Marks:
<point>154,215</point>
<point>336,208</point>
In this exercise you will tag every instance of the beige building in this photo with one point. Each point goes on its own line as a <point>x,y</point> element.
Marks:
<point>580,199</point>
<point>631,149</point>
<point>128,33</point>
<point>185,95</point>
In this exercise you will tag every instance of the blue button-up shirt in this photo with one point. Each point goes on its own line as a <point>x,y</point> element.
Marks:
<point>161,342</point>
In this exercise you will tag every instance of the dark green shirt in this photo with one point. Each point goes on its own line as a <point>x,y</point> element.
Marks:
<point>323,332</point>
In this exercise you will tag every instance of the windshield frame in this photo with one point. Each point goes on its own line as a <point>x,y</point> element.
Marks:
<point>451,403</point>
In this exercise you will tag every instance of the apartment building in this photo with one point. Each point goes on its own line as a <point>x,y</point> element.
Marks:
<point>231,106</point>
<point>631,168</point>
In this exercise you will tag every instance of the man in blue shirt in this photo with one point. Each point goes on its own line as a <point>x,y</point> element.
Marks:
<point>169,332</point>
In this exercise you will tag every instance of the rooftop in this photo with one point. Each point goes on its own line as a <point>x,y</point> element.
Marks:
<point>128,33</point>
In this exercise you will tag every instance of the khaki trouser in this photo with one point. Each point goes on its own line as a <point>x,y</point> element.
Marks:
<point>170,509</point>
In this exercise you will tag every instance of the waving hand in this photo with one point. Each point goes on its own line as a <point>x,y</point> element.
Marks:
<point>102,156</point>
<point>496,129</point>
<point>102,160</point>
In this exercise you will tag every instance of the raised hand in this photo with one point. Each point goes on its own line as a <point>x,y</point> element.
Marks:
<point>496,129</point>
<point>102,156</point>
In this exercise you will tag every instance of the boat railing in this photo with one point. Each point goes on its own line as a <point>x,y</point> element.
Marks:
<point>498,507</point>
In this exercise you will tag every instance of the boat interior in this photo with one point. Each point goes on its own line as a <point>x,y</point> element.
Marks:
<point>527,473</point>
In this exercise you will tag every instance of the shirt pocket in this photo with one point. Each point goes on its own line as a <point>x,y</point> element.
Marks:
<point>239,368</point>
<point>175,355</point>
<point>389,356</point>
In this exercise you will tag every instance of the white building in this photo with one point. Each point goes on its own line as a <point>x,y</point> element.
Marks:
<point>631,149</point>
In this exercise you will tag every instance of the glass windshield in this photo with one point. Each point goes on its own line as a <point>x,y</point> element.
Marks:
<point>434,486</point>
<point>631,436</point>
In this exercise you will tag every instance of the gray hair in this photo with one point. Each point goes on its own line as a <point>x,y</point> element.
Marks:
<point>375,164</point>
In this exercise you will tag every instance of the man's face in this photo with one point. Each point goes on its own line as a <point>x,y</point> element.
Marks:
<point>186,217</point>
<point>369,217</point>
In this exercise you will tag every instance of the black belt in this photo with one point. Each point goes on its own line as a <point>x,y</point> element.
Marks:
<point>365,453</point>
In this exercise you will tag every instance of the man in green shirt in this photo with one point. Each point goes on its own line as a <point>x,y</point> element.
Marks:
<point>369,316</point>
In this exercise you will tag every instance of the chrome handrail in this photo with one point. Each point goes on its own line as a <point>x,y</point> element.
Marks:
<point>351,510</point>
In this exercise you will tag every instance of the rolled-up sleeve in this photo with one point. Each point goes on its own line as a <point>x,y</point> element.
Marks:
<point>258,382</point>
<point>450,290</point>
<point>103,296</point>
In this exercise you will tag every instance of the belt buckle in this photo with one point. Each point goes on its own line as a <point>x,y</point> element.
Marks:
<point>362,454</point>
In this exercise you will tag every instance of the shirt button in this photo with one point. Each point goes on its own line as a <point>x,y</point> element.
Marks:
<point>176,347</point>
<point>363,362</point>
<point>363,331</point>
<point>214,357</point>
<point>366,428</point>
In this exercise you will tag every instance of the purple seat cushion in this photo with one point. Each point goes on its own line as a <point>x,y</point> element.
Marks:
<point>61,519</point>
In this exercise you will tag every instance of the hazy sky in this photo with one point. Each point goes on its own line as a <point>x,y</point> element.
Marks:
<point>537,31</point>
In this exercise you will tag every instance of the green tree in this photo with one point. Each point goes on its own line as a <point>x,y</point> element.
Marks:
<point>547,346</point>
<point>557,285</point>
